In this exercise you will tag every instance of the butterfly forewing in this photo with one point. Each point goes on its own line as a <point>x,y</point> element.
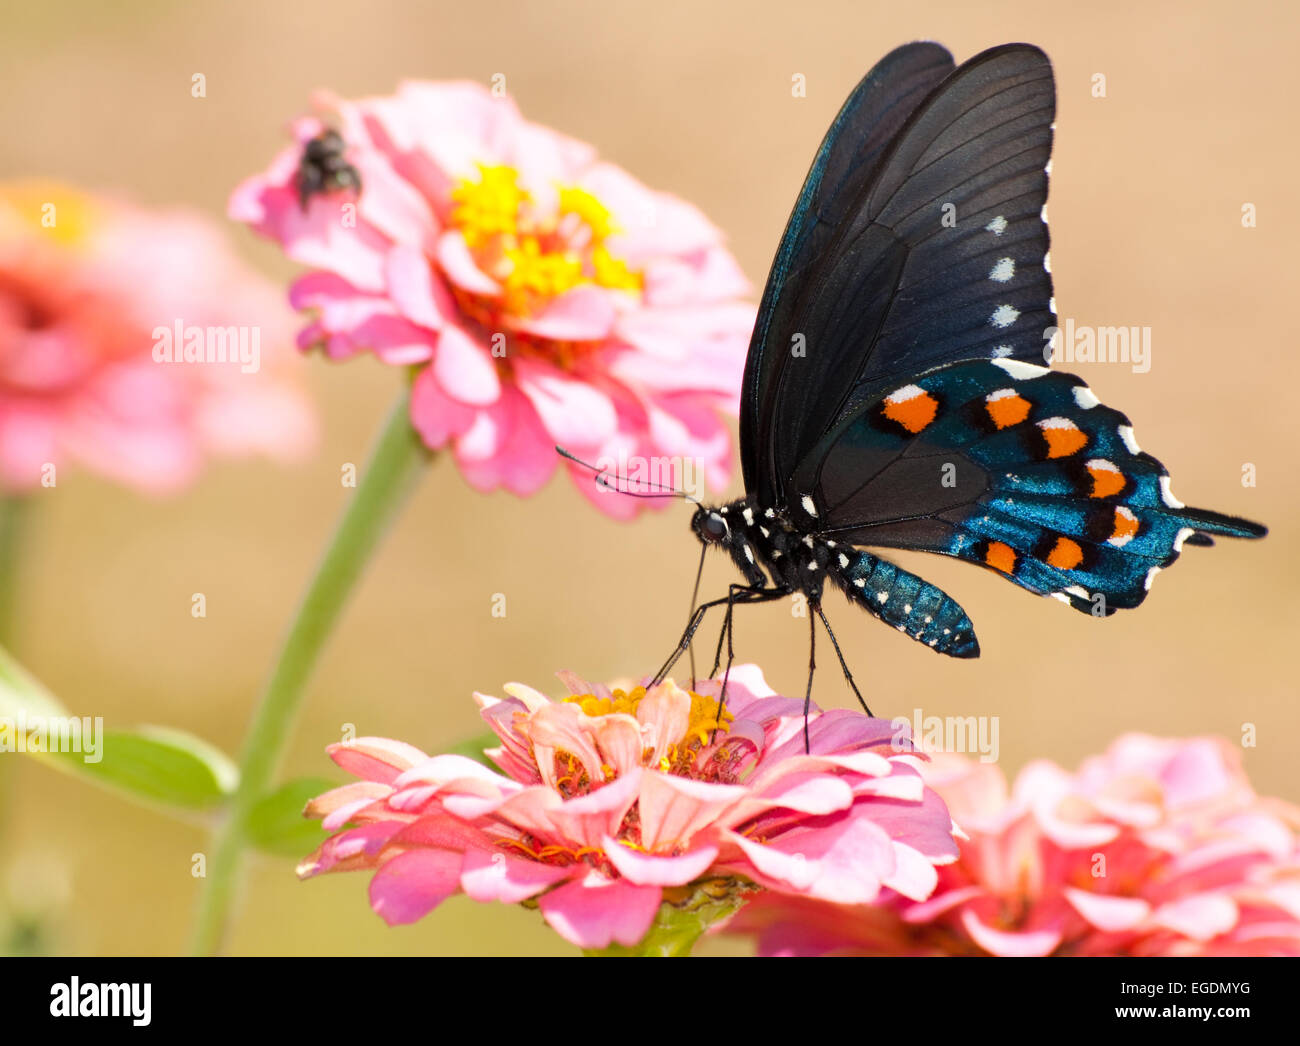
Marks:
<point>940,257</point>
<point>849,157</point>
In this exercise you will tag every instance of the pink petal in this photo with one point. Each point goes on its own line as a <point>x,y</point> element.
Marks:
<point>436,416</point>
<point>459,266</point>
<point>1199,917</point>
<point>413,884</point>
<point>507,447</point>
<point>464,369</point>
<point>646,869</point>
<point>574,413</point>
<point>582,314</point>
<point>1002,942</point>
<point>673,809</point>
<point>415,290</point>
<point>500,876</point>
<point>595,912</point>
<point>1105,912</point>
<point>376,758</point>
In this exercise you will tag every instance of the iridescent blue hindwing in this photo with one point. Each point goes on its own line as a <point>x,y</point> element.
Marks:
<point>1014,467</point>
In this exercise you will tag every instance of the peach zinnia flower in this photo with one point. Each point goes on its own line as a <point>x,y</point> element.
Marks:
<point>546,297</point>
<point>86,285</point>
<point>607,797</point>
<point>1157,847</point>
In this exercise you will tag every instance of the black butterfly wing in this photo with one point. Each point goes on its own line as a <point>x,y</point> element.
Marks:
<point>940,256</point>
<point>848,158</point>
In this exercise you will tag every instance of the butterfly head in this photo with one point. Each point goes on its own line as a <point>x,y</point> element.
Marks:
<point>710,525</point>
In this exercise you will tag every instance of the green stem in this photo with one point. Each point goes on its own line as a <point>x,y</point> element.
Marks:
<point>395,463</point>
<point>13,509</point>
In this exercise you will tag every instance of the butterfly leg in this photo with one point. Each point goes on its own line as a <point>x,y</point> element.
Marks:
<point>736,594</point>
<point>843,664</point>
<point>697,619</point>
<point>812,667</point>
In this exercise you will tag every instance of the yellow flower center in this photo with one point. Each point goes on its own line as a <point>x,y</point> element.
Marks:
<point>57,211</point>
<point>536,258</point>
<point>706,717</point>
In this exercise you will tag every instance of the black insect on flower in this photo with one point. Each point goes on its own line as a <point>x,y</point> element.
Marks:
<point>324,168</point>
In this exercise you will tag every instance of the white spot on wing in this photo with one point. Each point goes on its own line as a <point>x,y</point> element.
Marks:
<point>1020,370</point>
<point>1085,397</point>
<point>882,597</point>
<point>1151,576</point>
<point>1061,596</point>
<point>1183,535</point>
<point>749,516</point>
<point>1004,316</point>
<point>1126,434</point>
<point>997,226</point>
<point>844,561</point>
<point>1047,262</point>
<point>861,582</point>
<point>907,392</point>
<point>808,506</point>
<point>1002,350</point>
<point>1003,270</point>
<point>1167,495</point>
<point>1078,590</point>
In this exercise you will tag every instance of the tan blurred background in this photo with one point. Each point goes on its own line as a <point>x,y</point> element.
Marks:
<point>1146,198</point>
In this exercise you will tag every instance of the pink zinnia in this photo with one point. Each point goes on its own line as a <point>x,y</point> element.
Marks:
<point>86,286</point>
<point>546,297</point>
<point>1157,847</point>
<point>606,798</point>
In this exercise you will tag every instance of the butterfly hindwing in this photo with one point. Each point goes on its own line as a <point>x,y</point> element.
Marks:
<point>1014,467</point>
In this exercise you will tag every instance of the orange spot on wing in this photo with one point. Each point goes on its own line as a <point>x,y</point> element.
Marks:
<point>912,407</point>
<point>1126,524</point>
<point>1065,554</point>
<point>1063,437</point>
<point>1000,557</point>
<point>1106,479</point>
<point>1007,408</point>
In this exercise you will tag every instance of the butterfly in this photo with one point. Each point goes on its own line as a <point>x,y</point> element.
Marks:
<point>894,394</point>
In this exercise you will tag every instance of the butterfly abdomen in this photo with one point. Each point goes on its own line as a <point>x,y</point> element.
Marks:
<point>911,605</point>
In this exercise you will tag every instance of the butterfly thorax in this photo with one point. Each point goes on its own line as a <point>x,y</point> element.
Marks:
<point>766,547</point>
<point>771,551</point>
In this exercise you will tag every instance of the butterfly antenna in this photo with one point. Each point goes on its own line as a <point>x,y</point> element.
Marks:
<point>602,480</point>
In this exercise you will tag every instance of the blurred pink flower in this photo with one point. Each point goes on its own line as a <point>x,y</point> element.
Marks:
<point>547,297</point>
<point>1157,847</point>
<point>606,798</point>
<point>87,285</point>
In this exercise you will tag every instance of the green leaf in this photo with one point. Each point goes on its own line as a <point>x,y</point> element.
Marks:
<point>158,764</point>
<point>19,692</point>
<point>276,824</point>
<point>473,748</point>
